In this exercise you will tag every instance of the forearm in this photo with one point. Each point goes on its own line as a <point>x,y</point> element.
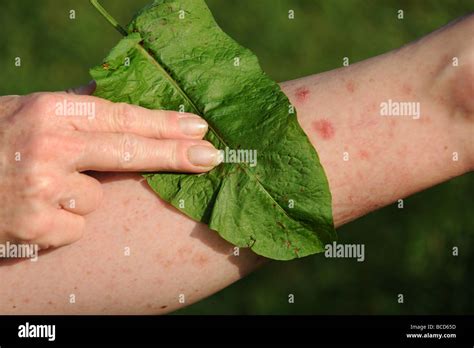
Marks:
<point>372,160</point>
<point>171,255</point>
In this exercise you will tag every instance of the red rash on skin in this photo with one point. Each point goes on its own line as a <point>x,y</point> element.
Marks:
<point>302,94</point>
<point>324,129</point>
<point>350,86</point>
<point>363,154</point>
<point>406,89</point>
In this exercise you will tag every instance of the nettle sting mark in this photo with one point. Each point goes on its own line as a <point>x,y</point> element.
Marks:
<point>363,154</point>
<point>350,86</point>
<point>302,94</point>
<point>406,89</point>
<point>323,128</point>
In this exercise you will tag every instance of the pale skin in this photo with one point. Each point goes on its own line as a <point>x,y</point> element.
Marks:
<point>170,255</point>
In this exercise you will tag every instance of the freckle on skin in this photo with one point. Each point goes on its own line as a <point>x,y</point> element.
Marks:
<point>323,128</point>
<point>302,94</point>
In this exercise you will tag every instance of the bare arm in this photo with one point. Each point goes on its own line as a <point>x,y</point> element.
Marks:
<point>170,255</point>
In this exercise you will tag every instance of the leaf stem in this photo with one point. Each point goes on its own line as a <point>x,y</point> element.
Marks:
<point>108,17</point>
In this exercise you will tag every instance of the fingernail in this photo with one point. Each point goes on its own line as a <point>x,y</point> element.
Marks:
<point>193,125</point>
<point>87,89</point>
<point>203,156</point>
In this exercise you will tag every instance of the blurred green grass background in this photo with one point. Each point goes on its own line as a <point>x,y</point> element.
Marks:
<point>408,251</point>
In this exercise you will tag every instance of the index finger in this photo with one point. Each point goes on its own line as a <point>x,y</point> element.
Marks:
<point>93,114</point>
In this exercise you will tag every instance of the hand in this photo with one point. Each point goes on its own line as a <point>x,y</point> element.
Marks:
<point>47,141</point>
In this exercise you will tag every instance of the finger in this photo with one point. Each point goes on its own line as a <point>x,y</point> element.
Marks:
<point>64,228</point>
<point>128,152</point>
<point>83,90</point>
<point>100,115</point>
<point>82,195</point>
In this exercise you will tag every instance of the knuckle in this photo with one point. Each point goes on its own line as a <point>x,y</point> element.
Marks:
<point>124,116</point>
<point>171,155</point>
<point>128,150</point>
<point>41,145</point>
<point>39,187</point>
<point>163,124</point>
<point>44,103</point>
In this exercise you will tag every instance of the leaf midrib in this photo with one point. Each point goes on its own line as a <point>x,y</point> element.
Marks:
<point>197,111</point>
